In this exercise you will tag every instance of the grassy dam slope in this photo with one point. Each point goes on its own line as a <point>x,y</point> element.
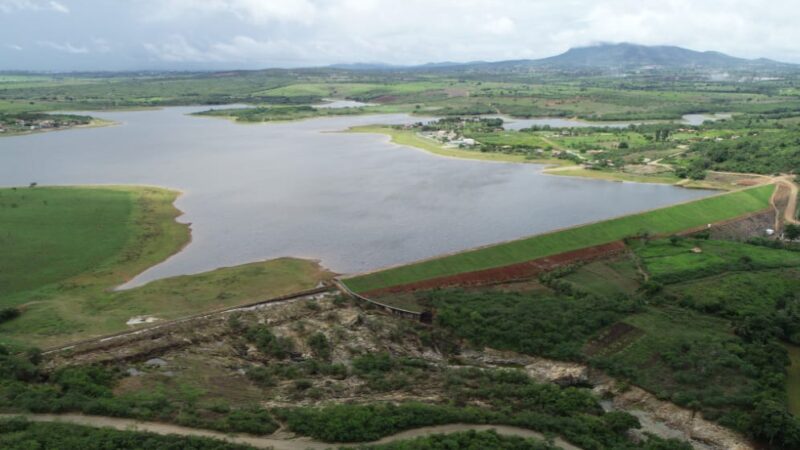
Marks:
<point>667,220</point>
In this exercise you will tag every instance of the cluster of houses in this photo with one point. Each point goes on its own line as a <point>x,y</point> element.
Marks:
<point>17,124</point>
<point>450,137</point>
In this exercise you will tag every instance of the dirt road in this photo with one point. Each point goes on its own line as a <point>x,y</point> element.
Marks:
<point>276,443</point>
<point>790,212</point>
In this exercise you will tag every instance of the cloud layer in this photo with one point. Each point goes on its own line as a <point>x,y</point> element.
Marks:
<point>133,34</point>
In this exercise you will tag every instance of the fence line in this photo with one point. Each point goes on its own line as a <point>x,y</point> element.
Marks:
<point>169,323</point>
<point>394,310</point>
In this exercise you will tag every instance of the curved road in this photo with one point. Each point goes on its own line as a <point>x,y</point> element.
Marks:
<point>790,213</point>
<point>275,443</point>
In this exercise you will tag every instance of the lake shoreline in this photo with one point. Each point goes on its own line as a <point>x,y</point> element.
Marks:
<point>353,201</point>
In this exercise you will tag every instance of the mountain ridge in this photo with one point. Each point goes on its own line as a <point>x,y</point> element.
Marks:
<point>623,55</point>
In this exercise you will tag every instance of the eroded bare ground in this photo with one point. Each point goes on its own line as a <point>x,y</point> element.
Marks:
<point>209,359</point>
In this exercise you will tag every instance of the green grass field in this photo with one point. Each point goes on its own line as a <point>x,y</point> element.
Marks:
<point>670,263</point>
<point>49,234</point>
<point>742,293</point>
<point>577,171</point>
<point>608,278</point>
<point>65,249</point>
<point>661,221</point>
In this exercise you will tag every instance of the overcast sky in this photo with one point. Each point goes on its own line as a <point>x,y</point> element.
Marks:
<point>58,35</point>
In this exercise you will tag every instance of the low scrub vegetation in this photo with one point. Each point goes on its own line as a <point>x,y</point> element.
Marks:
<point>25,387</point>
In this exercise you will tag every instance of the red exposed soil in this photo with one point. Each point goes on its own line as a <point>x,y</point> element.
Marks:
<point>384,99</point>
<point>514,272</point>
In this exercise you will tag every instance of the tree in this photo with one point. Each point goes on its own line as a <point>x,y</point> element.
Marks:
<point>791,232</point>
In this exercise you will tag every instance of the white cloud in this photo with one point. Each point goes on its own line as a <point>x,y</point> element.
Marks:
<point>65,47</point>
<point>101,45</point>
<point>14,47</point>
<point>9,6</point>
<point>500,26</point>
<point>236,50</point>
<point>176,49</point>
<point>58,7</point>
<point>262,33</point>
<point>254,11</point>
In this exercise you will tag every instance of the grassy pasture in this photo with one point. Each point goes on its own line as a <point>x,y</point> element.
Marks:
<point>607,277</point>
<point>665,178</point>
<point>739,294</point>
<point>661,221</point>
<point>689,259</point>
<point>66,248</point>
<point>49,234</point>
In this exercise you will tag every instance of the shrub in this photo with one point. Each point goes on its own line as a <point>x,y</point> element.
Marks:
<point>373,362</point>
<point>261,376</point>
<point>268,343</point>
<point>7,314</point>
<point>320,346</point>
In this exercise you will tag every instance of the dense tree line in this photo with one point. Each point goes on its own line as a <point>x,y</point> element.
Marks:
<point>764,152</point>
<point>279,112</point>
<point>18,434</point>
<point>562,324</point>
<point>468,440</point>
<point>492,440</point>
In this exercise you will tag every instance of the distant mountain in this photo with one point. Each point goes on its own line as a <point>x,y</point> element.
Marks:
<point>383,66</point>
<point>365,66</point>
<point>627,56</point>
<point>622,56</point>
<point>632,55</point>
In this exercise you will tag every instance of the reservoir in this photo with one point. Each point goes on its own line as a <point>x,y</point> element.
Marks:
<point>356,202</point>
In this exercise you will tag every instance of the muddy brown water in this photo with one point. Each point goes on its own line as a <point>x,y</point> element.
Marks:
<point>354,201</point>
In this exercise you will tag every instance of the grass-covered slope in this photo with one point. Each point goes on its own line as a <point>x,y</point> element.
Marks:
<point>49,234</point>
<point>661,221</point>
<point>65,249</point>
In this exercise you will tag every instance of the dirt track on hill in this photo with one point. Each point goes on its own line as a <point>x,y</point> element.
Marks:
<point>790,213</point>
<point>276,443</point>
<point>784,186</point>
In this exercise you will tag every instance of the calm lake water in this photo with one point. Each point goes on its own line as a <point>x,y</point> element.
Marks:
<point>354,201</point>
<point>510,123</point>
